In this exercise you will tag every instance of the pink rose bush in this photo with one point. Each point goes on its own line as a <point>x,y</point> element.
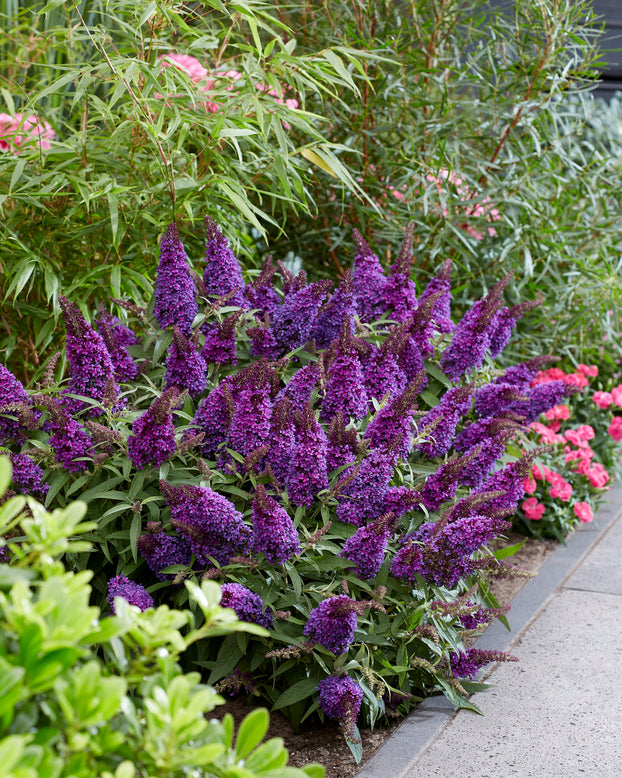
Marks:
<point>19,132</point>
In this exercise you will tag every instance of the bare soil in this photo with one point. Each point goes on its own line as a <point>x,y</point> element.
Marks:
<point>324,743</point>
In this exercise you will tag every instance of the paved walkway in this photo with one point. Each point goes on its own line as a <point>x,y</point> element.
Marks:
<point>558,712</point>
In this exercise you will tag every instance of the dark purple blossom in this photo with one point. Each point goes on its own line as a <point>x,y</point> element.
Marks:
<point>250,424</point>
<point>441,485</point>
<point>261,294</point>
<point>363,496</point>
<point>91,372</point>
<point>220,344</point>
<point>482,458</point>
<point>439,424</point>
<point>282,439</point>
<point>395,420</point>
<point>307,474</point>
<point>466,664</point>
<point>263,343</point>
<point>131,592</point>
<point>298,389</point>
<point>366,548</point>
<point>222,275</point>
<point>247,605</point>
<point>185,367</point>
<point>400,293</point>
<point>12,397</point>
<point>152,440</point>
<point>72,445</point>
<point>213,418</point>
<point>345,387</point>
<point>504,322</point>
<point>440,288</point>
<point>293,321</point>
<point>333,314</point>
<point>508,483</point>
<point>399,500</point>
<point>28,476</point>
<point>161,550</point>
<point>274,533</point>
<point>175,292</point>
<point>499,398</point>
<point>117,337</point>
<point>340,698</point>
<point>383,375</point>
<point>208,521</point>
<point>368,281</point>
<point>542,397</point>
<point>332,623</point>
<point>485,429</point>
<point>342,443</point>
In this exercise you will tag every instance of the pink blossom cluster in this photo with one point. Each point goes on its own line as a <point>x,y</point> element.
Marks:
<point>605,400</point>
<point>206,82</point>
<point>19,131</point>
<point>580,378</point>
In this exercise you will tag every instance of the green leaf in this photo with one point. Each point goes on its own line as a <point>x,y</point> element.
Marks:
<point>251,732</point>
<point>355,744</point>
<point>6,471</point>
<point>299,691</point>
<point>503,553</point>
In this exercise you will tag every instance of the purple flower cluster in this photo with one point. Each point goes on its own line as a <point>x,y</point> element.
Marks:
<point>363,496</point>
<point>90,366</point>
<point>28,476</point>
<point>252,412</point>
<point>71,443</point>
<point>132,592</point>
<point>400,293</point>
<point>306,471</point>
<point>332,623</point>
<point>340,698</point>
<point>368,281</point>
<point>383,375</point>
<point>208,521</point>
<point>332,315</point>
<point>222,275</point>
<point>185,367</point>
<point>117,337</point>
<point>345,387</point>
<point>504,322</point>
<point>175,292</point>
<point>440,288</point>
<point>220,345</point>
<point>12,395</point>
<point>160,550</point>
<point>508,484</point>
<point>366,548</point>
<point>439,424</point>
<point>213,419</point>
<point>153,434</point>
<point>500,398</point>
<point>466,664</point>
<point>274,533</point>
<point>394,421</point>
<point>342,444</point>
<point>293,321</point>
<point>298,389</point>
<point>247,605</point>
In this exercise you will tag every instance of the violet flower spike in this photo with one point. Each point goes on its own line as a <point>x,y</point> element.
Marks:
<point>175,292</point>
<point>152,440</point>
<point>222,274</point>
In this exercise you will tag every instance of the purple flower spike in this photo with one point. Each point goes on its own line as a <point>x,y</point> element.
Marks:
<point>342,444</point>
<point>222,274</point>
<point>400,293</point>
<point>208,521</point>
<point>90,366</point>
<point>153,434</point>
<point>12,395</point>
<point>307,473</point>
<point>367,546</point>
<point>331,317</point>
<point>185,367</point>
<point>340,698</point>
<point>440,287</point>
<point>28,476</point>
<point>504,322</point>
<point>293,321</point>
<point>300,386</point>
<point>131,592</point>
<point>440,423</point>
<point>213,418</point>
<point>345,386</point>
<point>466,664</point>
<point>395,419</point>
<point>368,281</point>
<point>383,375</point>
<point>69,440</point>
<point>261,294</point>
<point>542,397</point>
<point>250,424</point>
<point>498,398</point>
<point>282,439</point>
<point>247,605</point>
<point>220,346</point>
<point>161,550</point>
<point>175,292</point>
<point>274,533</point>
<point>117,337</point>
<point>366,487</point>
<point>332,623</point>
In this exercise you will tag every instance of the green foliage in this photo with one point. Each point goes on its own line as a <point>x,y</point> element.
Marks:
<point>139,145</point>
<point>87,696</point>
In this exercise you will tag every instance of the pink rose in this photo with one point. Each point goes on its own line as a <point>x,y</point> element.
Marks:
<point>576,379</point>
<point>598,476</point>
<point>558,412</point>
<point>589,370</point>
<point>560,488</point>
<point>533,509</point>
<point>615,428</point>
<point>616,395</point>
<point>585,432</point>
<point>572,436</point>
<point>583,511</point>
<point>602,399</point>
<point>555,426</point>
<point>529,485</point>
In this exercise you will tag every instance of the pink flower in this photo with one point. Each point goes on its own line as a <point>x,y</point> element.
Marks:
<point>19,131</point>
<point>615,428</point>
<point>583,511</point>
<point>616,395</point>
<point>585,432</point>
<point>189,65</point>
<point>530,485</point>
<point>598,476</point>
<point>560,488</point>
<point>558,412</point>
<point>555,426</point>
<point>533,509</point>
<point>602,399</point>
<point>540,474</point>
<point>589,370</point>
<point>576,379</point>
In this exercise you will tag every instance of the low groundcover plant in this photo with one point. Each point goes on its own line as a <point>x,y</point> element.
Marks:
<point>336,458</point>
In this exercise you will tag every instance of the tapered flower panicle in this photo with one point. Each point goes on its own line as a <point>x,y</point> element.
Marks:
<point>400,293</point>
<point>274,533</point>
<point>91,372</point>
<point>247,605</point>
<point>368,281</point>
<point>131,592</point>
<point>13,396</point>
<point>222,275</point>
<point>395,419</point>
<point>220,345</point>
<point>383,375</point>
<point>366,485</point>
<point>471,338</point>
<point>499,398</point>
<point>439,424</point>
<point>508,486</point>
<point>117,337</point>
<point>27,476</point>
<point>504,322</point>
<point>490,428</point>
<point>330,319</point>
<point>293,321</point>
<point>345,385</point>
<point>306,473</point>
<point>299,387</point>
<point>261,294</point>
<point>208,521</point>
<point>332,623</point>
<point>70,442</point>
<point>441,311</point>
<point>466,664</point>
<point>185,367</point>
<point>340,698</point>
<point>443,483</point>
<point>250,424</point>
<point>282,439</point>
<point>543,397</point>
<point>342,443</point>
<point>175,292</point>
<point>366,548</point>
<point>161,550</point>
<point>153,434</point>
<point>213,419</point>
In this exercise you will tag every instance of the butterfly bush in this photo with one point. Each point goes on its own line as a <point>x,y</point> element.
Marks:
<point>337,456</point>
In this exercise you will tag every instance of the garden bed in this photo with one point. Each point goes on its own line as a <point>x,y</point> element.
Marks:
<point>324,743</point>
